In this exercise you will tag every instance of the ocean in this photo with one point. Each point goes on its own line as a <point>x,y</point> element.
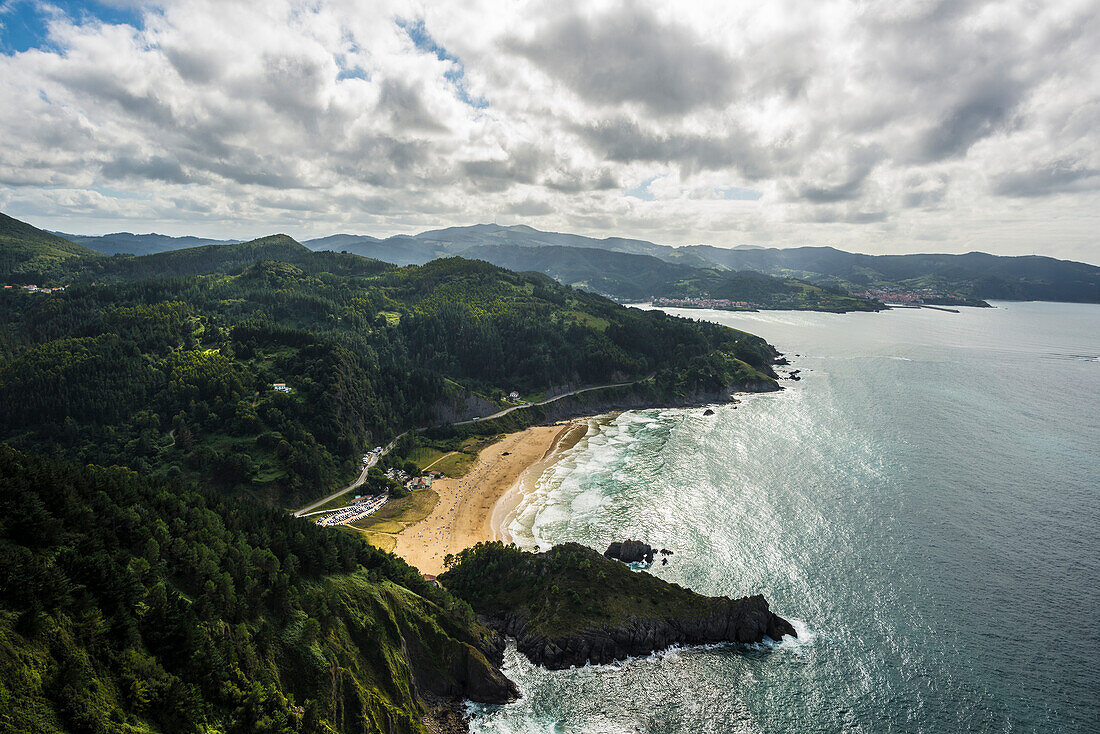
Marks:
<point>924,505</point>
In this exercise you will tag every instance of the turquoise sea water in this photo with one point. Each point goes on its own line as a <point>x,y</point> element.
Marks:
<point>924,504</point>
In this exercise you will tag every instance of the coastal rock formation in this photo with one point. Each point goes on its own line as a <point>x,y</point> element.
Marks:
<point>571,606</point>
<point>466,671</point>
<point>708,411</point>
<point>630,551</point>
<point>744,621</point>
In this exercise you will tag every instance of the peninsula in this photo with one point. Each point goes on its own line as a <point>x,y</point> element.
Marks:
<point>571,606</point>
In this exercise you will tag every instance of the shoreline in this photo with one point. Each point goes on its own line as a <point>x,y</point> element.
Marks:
<point>510,501</point>
<point>470,508</point>
<point>479,505</point>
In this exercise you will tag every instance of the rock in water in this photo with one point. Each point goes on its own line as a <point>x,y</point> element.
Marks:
<point>630,551</point>
<point>571,606</point>
<point>708,411</point>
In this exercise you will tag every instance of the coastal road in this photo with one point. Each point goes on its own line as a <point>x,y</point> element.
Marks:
<point>357,483</point>
<point>375,457</point>
<point>506,411</point>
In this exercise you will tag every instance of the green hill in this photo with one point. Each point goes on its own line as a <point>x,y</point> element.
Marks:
<point>633,277</point>
<point>165,363</point>
<point>128,243</point>
<point>972,276</point>
<point>631,273</point>
<point>133,605</point>
<point>28,252</point>
<point>969,277</point>
<point>571,606</point>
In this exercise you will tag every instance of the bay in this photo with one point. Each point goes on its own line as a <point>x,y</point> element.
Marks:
<point>924,504</point>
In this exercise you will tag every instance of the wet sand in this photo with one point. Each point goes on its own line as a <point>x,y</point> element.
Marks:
<point>468,505</point>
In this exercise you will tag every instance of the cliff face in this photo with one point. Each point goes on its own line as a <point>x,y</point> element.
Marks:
<point>605,401</point>
<point>448,660</point>
<point>636,397</point>
<point>745,621</point>
<point>570,606</point>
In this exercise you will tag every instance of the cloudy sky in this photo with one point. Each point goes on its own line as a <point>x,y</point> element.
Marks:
<point>872,126</point>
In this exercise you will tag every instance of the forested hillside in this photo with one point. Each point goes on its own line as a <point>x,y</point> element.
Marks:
<point>632,275</point>
<point>28,253</point>
<point>644,277</point>
<point>127,243</point>
<point>975,275</point>
<point>135,605</point>
<point>165,363</point>
<point>970,277</point>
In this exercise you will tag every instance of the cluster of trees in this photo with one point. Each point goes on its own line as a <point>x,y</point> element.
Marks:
<point>636,277</point>
<point>131,602</point>
<point>172,374</point>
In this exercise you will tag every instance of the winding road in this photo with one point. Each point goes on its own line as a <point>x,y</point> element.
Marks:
<point>506,411</point>
<point>375,457</point>
<point>371,461</point>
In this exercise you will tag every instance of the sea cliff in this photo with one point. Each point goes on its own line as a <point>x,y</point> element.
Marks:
<point>571,606</point>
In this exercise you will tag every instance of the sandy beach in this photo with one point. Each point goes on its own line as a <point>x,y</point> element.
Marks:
<point>472,507</point>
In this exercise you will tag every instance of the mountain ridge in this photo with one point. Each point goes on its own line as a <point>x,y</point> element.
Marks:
<point>967,278</point>
<point>129,243</point>
<point>26,250</point>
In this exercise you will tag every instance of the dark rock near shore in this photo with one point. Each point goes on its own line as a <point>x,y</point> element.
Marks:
<point>630,551</point>
<point>571,605</point>
<point>744,621</point>
<point>708,411</point>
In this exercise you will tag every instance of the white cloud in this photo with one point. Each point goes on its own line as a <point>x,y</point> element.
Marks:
<point>876,127</point>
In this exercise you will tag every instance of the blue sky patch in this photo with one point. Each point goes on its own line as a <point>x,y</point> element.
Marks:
<point>456,75</point>
<point>24,23</point>
<point>641,191</point>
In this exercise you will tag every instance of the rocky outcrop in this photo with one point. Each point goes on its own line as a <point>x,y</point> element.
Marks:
<point>462,406</point>
<point>572,605</point>
<point>744,621</point>
<point>630,551</point>
<point>454,662</point>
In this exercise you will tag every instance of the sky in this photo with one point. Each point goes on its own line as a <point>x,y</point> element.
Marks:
<point>880,127</point>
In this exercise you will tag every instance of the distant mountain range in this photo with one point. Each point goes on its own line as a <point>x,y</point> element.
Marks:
<point>128,243</point>
<point>968,278</point>
<point>820,278</point>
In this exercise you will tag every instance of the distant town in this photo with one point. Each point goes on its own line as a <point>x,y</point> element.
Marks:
<point>34,288</point>
<point>704,302</point>
<point>888,296</point>
<point>893,296</point>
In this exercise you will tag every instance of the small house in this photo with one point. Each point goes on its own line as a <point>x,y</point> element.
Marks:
<point>280,387</point>
<point>513,395</point>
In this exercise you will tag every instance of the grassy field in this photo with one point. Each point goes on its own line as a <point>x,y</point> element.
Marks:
<point>382,541</point>
<point>395,514</point>
<point>452,456</point>
<point>425,456</point>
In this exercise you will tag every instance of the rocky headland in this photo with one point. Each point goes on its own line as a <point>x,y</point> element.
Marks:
<point>571,605</point>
